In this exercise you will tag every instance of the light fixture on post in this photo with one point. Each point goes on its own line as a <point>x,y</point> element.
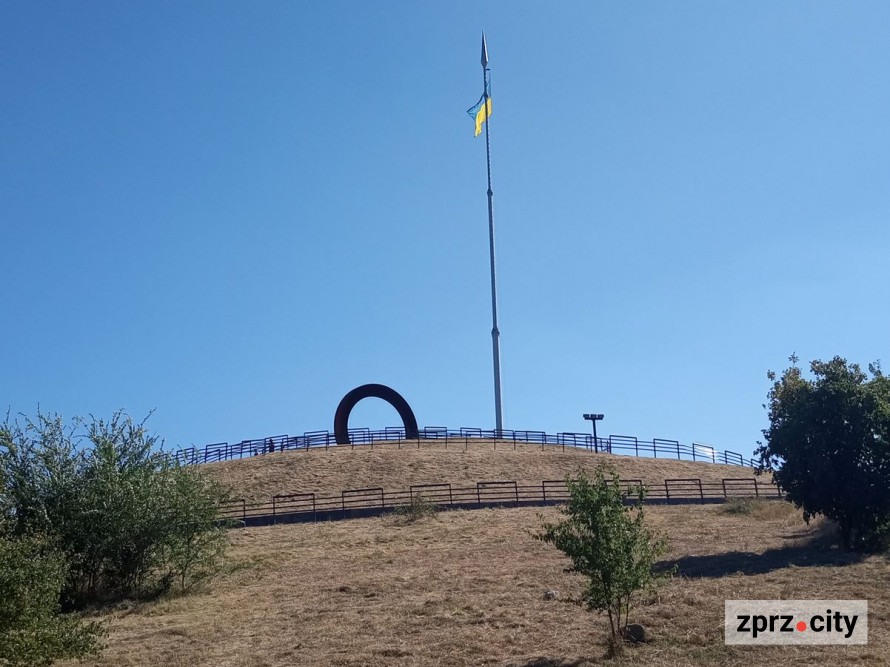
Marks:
<point>594,418</point>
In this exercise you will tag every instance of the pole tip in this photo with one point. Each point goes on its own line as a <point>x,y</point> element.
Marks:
<point>484,51</point>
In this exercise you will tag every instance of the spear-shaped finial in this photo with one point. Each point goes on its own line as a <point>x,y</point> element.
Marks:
<point>484,51</point>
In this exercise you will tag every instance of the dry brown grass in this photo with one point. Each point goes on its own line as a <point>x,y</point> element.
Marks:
<point>331,471</point>
<point>756,508</point>
<point>466,588</point>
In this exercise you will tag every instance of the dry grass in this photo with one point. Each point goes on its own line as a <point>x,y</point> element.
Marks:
<point>466,588</point>
<point>756,508</point>
<point>330,471</point>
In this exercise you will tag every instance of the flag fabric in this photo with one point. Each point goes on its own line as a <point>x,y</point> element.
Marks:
<point>480,112</point>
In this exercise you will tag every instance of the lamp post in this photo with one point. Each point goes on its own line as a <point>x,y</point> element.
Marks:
<point>594,418</point>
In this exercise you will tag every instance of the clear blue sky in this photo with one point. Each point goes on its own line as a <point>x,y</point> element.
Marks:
<point>234,213</point>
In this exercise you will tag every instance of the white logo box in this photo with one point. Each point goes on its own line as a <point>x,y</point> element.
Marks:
<point>810,622</point>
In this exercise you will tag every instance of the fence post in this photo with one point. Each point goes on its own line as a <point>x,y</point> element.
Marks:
<point>678,450</point>
<point>693,451</point>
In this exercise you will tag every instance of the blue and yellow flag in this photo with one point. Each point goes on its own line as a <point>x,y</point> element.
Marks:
<point>480,113</point>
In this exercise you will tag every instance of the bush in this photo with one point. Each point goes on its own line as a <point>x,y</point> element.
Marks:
<point>828,445</point>
<point>740,506</point>
<point>129,519</point>
<point>608,543</point>
<point>32,574</point>
<point>419,508</point>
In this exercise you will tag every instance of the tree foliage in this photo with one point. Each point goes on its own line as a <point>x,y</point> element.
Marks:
<point>828,445</point>
<point>130,521</point>
<point>32,573</point>
<point>609,543</point>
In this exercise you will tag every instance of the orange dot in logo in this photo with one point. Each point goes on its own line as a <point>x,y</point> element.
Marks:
<point>801,626</point>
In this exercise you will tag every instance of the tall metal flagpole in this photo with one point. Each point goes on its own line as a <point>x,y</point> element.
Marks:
<point>495,333</point>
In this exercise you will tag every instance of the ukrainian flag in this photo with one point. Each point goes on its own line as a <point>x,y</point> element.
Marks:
<point>480,112</point>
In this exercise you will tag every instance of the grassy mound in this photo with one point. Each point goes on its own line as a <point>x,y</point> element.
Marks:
<point>331,471</point>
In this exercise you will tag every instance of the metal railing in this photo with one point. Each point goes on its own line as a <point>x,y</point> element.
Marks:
<point>371,501</point>
<point>614,444</point>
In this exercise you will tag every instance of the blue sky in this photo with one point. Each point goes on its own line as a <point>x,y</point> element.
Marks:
<point>234,213</point>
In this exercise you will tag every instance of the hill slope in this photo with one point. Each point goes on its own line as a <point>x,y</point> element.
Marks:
<point>467,588</point>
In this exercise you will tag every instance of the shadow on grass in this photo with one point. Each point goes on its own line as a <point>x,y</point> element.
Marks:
<point>741,562</point>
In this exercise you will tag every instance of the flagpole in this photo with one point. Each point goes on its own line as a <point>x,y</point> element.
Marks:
<point>495,333</point>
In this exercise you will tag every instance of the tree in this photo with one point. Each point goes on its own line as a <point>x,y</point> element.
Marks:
<point>609,543</point>
<point>129,519</point>
<point>828,446</point>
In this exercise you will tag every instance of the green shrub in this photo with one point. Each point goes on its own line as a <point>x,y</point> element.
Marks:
<point>739,506</point>
<point>130,520</point>
<point>609,543</point>
<point>32,632</point>
<point>418,508</point>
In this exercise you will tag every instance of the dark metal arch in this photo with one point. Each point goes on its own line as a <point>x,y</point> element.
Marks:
<point>391,396</point>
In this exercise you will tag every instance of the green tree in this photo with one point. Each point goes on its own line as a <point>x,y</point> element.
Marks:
<point>608,542</point>
<point>130,520</point>
<point>828,446</point>
<point>32,632</point>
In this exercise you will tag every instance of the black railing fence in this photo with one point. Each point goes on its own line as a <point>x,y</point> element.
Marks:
<point>297,507</point>
<point>614,444</point>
